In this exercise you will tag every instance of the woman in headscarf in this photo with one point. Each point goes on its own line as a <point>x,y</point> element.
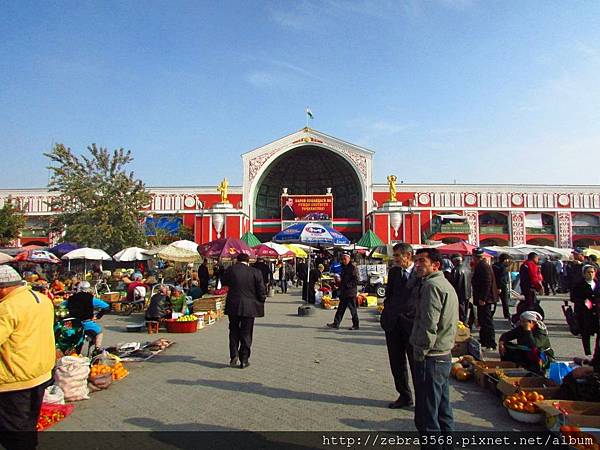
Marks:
<point>532,349</point>
<point>586,296</point>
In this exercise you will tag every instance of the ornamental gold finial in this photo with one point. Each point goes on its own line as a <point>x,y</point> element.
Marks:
<point>392,186</point>
<point>222,188</point>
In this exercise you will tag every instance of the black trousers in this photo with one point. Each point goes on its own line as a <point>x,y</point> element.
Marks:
<point>350,303</point>
<point>549,286</point>
<point>505,299</point>
<point>240,337</point>
<point>487,334</point>
<point>399,349</point>
<point>19,412</point>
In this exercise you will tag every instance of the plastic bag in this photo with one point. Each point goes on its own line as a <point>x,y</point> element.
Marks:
<point>318,297</point>
<point>54,395</point>
<point>71,376</point>
<point>558,370</point>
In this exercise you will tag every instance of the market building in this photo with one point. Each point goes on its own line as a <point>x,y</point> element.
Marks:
<point>329,180</point>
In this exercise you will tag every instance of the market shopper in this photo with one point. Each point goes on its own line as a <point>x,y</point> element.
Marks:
<point>432,339</point>
<point>27,356</point>
<point>530,280</point>
<point>348,292</point>
<point>549,277</point>
<point>485,297</point>
<point>503,281</point>
<point>314,277</point>
<point>203,276</point>
<point>586,296</point>
<point>397,320</point>
<point>245,301</point>
<point>461,281</point>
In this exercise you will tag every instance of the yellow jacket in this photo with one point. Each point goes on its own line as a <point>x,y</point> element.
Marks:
<point>27,353</point>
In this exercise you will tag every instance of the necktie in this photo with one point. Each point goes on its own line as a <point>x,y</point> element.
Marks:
<point>405,275</point>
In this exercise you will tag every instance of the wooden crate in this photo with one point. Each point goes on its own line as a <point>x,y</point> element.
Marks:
<point>209,304</point>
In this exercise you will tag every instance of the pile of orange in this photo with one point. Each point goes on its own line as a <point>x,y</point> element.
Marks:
<point>523,401</point>
<point>119,372</point>
<point>100,369</point>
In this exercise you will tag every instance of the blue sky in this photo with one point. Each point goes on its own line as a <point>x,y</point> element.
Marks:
<point>441,90</point>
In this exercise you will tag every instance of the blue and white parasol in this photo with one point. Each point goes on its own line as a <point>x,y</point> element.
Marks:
<point>312,234</point>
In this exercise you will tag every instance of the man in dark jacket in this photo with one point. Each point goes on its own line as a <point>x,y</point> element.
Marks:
<point>504,282</point>
<point>348,292</point>
<point>397,319</point>
<point>485,296</point>
<point>265,270</point>
<point>550,276</point>
<point>461,281</point>
<point>203,276</point>
<point>245,301</point>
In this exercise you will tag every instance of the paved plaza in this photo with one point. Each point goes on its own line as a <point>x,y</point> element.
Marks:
<point>303,376</point>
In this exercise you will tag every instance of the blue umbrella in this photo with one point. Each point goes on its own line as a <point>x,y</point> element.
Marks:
<point>311,233</point>
<point>64,247</point>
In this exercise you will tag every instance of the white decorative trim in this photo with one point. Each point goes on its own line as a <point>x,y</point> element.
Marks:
<point>470,199</point>
<point>563,200</point>
<point>424,199</point>
<point>565,226</point>
<point>517,199</point>
<point>473,221</point>
<point>517,227</point>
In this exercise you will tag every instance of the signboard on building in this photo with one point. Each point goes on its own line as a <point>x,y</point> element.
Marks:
<point>306,208</point>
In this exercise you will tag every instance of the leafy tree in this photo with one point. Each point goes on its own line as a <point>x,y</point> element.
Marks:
<point>12,222</point>
<point>98,204</point>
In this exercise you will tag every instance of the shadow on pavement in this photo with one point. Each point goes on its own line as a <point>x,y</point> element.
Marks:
<point>187,359</point>
<point>272,392</point>
<point>348,340</point>
<point>399,424</point>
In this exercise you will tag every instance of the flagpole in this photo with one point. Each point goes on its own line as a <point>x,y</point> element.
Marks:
<point>306,114</point>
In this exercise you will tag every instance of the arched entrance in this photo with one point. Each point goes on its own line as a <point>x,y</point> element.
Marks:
<point>309,170</point>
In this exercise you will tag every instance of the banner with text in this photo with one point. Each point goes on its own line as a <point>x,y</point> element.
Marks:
<point>306,208</point>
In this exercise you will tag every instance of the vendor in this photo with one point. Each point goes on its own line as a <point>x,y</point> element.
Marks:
<point>532,349</point>
<point>313,278</point>
<point>586,295</point>
<point>179,300</point>
<point>158,304</point>
<point>195,291</point>
<point>136,289</point>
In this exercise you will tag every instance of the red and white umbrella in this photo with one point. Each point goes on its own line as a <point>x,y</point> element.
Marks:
<point>38,257</point>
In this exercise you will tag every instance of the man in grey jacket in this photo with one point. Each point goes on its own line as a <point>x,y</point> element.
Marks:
<point>432,339</point>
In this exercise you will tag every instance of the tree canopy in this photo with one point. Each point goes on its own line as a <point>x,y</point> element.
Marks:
<point>98,204</point>
<point>12,222</point>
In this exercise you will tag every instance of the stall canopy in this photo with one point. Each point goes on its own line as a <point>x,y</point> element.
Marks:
<point>298,252</point>
<point>63,248</point>
<point>370,240</point>
<point>37,256</point>
<point>520,252</point>
<point>282,250</point>
<point>250,239</point>
<point>311,233</point>
<point>185,244</point>
<point>86,253</point>
<point>4,258</point>
<point>176,254</point>
<point>264,251</point>
<point>226,249</point>
<point>132,254</point>
<point>462,248</point>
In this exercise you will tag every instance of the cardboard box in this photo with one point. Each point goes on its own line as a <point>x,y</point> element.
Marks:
<point>575,414</point>
<point>209,304</point>
<point>541,385</point>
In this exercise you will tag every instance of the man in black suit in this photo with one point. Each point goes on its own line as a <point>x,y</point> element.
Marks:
<point>397,318</point>
<point>245,301</point>
<point>287,212</point>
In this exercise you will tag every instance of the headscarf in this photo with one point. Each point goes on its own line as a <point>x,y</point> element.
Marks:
<point>534,316</point>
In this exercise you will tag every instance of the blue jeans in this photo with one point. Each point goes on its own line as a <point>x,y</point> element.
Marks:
<point>433,413</point>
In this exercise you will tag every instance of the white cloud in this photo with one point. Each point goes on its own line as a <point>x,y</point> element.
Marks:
<point>262,79</point>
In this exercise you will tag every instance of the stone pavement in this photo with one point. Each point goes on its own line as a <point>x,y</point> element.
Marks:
<point>303,376</point>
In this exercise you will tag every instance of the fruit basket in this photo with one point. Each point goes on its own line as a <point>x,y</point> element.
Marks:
<point>174,326</point>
